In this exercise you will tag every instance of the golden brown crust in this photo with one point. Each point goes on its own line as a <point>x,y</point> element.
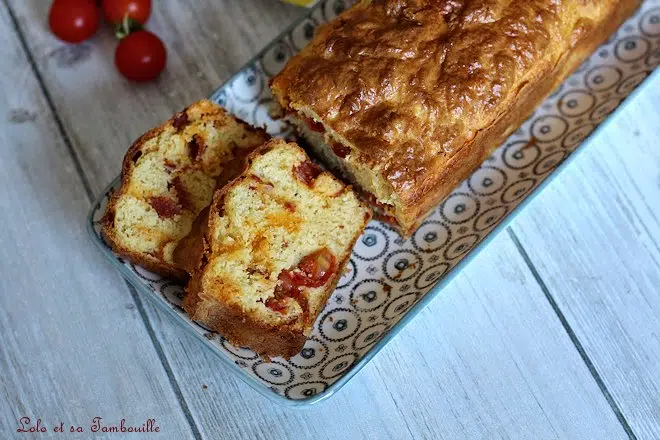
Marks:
<point>152,263</point>
<point>425,89</point>
<point>243,330</point>
<point>156,263</point>
<point>239,328</point>
<point>215,310</point>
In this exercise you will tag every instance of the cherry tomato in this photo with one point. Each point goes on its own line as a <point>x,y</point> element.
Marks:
<point>286,284</point>
<point>284,290</point>
<point>315,269</point>
<point>141,56</point>
<point>73,21</point>
<point>114,11</point>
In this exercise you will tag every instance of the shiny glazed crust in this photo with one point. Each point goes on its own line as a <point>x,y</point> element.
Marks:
<point>261,224</point>
<point>422,91</point>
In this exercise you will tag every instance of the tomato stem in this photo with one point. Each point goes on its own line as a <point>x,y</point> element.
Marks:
<point>127,27</point>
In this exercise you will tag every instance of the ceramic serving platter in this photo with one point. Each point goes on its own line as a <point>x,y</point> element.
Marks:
<point>390,279</point>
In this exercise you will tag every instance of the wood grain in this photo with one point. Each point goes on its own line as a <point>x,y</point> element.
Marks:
<point>496,362</point>
<point>594,237</point>
<point>486,360</point>
<point>73,346</point>
<point>206,42</point>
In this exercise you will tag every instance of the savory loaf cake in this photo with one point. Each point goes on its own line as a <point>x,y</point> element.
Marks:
<point>278,238</point>
<point>407,97</point>
<point>168,176</point>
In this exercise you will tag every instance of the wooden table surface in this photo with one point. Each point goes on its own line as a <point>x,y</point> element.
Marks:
<point>553,332</point>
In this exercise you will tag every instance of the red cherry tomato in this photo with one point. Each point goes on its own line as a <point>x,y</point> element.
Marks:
<point>114,11</point>
<point>284,290</point>
<point>315,269</point>
<point>73,21</point>
<point>141,56</point>
<point>285,284</point>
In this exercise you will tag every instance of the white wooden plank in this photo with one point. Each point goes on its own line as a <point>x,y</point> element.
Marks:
<point>486,360</point>
<point>73,346</point>
<point>594,237</point>
<point>526,379</point>
<point>206,42</point>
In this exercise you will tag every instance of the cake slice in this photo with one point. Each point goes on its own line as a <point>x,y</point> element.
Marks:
<point>278,238</point>
<point>169,176</point>
<point>408,97</point>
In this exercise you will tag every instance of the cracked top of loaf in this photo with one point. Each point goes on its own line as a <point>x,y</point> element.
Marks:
<point>406,84</point>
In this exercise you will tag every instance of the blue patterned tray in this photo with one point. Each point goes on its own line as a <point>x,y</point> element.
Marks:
<point>391,279</point>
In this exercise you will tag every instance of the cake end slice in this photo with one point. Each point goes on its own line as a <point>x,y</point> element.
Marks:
<point>168,176</point>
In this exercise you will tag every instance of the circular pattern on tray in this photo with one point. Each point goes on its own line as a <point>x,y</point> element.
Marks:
<point>602,78</point>
<point>369,295</point>
<point>461,246</point>
<point>487,180</point>
<point>630,83</point>
<point>649,24</point>
<point>490,218</point>
<point>577,135</point>
<point>172,292</point>
<point>402,265</point>
<point>653,59</point>
<point>548,128</point>
<point>631,49</point>
<point>305,390</point>
<point>246,86</point>
<point>431,236</point>
<point>604,109</point>
<point>431,275</point>
<point>372,244</point>
<point>274,372</point>
<point>549,162</point>
<point>332,8</point>
<point>336,366</point>
<point>275,57</point>
<point>339,324</point>
<point>400,305</point>
<point>459,207</point>
<point>369,335</point>
<point>302,33</point>
<point>144,273</point>
<point>521,154</point>
<point>362,310</point>
<point>517,190</point>
<point>223,98</point>
<point>576,103</point>
<point>313,353</point>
